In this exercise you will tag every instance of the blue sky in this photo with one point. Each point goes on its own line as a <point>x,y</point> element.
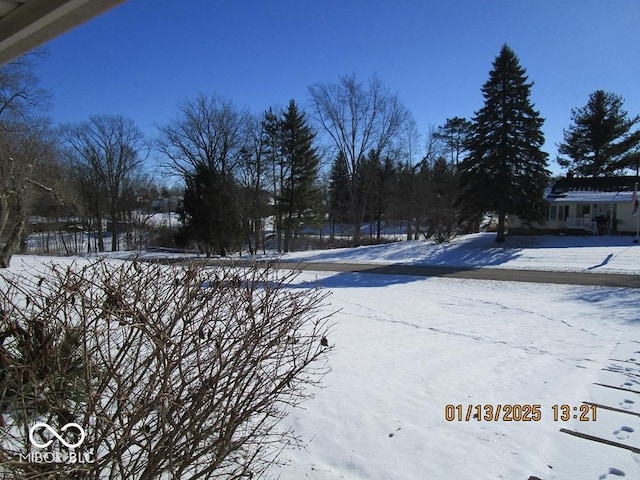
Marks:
<point>144,57</point>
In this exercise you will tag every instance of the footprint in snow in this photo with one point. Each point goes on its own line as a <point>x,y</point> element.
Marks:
<point>612,471</point>
<point>626,404</point>
<point>623,433</point>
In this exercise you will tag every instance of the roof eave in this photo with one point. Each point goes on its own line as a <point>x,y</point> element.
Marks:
<point>37,21</point>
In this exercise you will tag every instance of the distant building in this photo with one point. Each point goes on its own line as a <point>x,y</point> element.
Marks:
<point>601,205</point>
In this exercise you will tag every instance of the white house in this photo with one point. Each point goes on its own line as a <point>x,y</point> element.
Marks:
<point>601,205</point>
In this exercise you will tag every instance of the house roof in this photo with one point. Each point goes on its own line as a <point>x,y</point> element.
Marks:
<point>593,190</point>
<point>25,24</point>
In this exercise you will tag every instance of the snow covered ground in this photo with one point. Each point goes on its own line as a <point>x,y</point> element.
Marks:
<point>406,347</point>
<point>545,252</point>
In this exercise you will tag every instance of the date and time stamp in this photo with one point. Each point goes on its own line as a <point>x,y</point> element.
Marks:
<point>519,412</point>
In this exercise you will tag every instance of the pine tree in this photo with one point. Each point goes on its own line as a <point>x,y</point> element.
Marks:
<point>506,170</point>
<point>339,199</point>
<point>380,176</point>
<point>441,217</point>
<point>454,134</point>
<point>271,126</point>
<point>600,141</point>
<point>210,212</point>
<point>299,197</point>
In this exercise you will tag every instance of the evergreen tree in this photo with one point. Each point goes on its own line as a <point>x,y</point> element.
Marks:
<point>454,134</point>
<point>408,194</point>
<point>254,197</point>
<point>339,200</point>
<point>299,199</point>
<point>441,217</point>
<point>210,213</point>
<point>271,126</point>
<point>600,141</point>
<point>506,170</point>
<point>380,176</point>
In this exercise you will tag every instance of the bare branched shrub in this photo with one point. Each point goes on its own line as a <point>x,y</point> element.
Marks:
<point>172,372</point>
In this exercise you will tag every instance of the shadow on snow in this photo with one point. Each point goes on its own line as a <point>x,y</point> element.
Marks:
<point>357,280</point>
<point>621,304</point>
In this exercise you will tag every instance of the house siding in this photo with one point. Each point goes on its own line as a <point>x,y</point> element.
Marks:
<point>583,206</point>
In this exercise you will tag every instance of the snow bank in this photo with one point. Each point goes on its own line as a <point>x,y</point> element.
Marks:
<point>552,253</point>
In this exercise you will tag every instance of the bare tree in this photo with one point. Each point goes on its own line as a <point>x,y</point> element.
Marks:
<point>108,151</point>
<point>24,139</point>
<point>208,131</point>
<point>25,149</point>
<point>358,118</point>
<point>206,143</point>
<point>20,92</point>
<point>171,372</point>
<point>254,178</point>
<point>272,138</point>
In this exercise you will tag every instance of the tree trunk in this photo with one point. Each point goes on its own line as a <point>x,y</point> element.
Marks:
<point>4,212</point>
<point>100,232</point>
<point>86,228</point>
<point>279,231</point>
<point>287,234</point>
<point>356,232</point>
<point>257,233</point>
<point>114,230</point>
<point>501,223</point>
<point>64,244</point>
<point>14,239</point>
<point>23,243</point>
<point>249,240</point>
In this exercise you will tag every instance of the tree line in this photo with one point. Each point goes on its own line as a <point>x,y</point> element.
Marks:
<point>250,180</point>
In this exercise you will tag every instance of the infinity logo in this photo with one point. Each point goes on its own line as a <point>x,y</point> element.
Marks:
<point>40,425</point>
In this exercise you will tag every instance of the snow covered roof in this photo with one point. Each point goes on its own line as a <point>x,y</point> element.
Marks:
<point>592,190</point>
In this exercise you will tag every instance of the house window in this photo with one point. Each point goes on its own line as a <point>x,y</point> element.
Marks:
<point>558,212</point>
